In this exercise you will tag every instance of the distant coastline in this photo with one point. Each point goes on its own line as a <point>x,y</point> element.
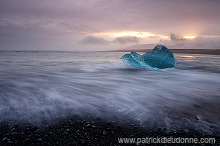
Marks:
<point>185,51</point>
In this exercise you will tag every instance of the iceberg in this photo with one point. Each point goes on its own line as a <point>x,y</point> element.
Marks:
<point>159,58</point>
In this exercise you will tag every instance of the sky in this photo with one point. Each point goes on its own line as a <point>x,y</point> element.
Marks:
<point>90,25</point>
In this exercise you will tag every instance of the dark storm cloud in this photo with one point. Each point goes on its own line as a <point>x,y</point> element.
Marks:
<point>94,40</point>
<point>67,21</point>
<point>126,39</point>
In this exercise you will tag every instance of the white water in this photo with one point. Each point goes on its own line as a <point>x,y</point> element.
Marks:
<point>44,87</point>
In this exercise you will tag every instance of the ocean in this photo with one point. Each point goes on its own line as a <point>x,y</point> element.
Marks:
<point>43,88</point>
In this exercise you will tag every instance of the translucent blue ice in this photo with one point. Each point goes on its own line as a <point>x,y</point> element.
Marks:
<point>159,58</point>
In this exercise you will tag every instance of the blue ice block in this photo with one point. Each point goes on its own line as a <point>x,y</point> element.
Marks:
<point>159,58</point>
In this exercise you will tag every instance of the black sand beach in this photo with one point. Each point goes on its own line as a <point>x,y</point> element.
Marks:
<point>84,132</point>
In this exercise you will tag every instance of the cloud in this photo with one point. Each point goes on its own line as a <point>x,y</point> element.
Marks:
<point>126,39</point>
<point>177,42</point>
<point>92,40</point>
<point>68,21</point>
<point>175,37</point>
<point>196,43</point>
